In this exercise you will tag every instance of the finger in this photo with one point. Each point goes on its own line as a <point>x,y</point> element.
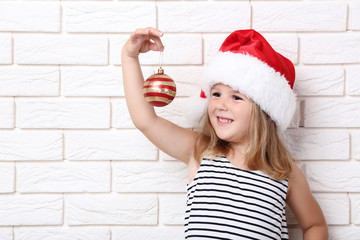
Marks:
<point>158,43</point>
<point>154,47</point>
<point>147,32</point>
<point>155,32</point>
<point>139,34</point>
<point>145,35</point>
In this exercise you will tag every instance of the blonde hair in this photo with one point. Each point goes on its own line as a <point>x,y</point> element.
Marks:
<point>266,150</point>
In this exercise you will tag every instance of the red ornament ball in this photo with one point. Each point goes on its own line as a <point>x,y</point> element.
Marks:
<point>159,89</point>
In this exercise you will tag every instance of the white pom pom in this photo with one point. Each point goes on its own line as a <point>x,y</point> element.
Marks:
<point>194,108</point>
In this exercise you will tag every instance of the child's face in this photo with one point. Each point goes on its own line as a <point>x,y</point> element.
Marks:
<point>229,112</point>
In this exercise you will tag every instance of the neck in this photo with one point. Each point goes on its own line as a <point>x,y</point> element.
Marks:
<point>239,148</point>
<point>237,155</point>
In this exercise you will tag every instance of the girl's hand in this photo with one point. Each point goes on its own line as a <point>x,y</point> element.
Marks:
<point>142,41</point>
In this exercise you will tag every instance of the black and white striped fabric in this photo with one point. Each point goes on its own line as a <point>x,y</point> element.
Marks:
<point>225,202</point>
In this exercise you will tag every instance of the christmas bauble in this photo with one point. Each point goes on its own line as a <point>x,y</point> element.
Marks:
<point>159,89</point>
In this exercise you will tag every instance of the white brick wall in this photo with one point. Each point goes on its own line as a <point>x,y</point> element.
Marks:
<point>72,165</point>
<point>5,49</point>
<point>60,49</point>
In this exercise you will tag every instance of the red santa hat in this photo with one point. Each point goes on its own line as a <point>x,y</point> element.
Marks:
<point>248,64</point>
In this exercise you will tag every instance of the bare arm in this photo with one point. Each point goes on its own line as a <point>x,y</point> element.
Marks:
<point>305,207</point>
<point>176,141</point>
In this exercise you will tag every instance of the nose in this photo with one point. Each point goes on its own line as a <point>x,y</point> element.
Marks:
<point>222,104</point>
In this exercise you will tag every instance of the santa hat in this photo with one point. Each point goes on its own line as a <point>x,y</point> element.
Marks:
<point>247,63</point>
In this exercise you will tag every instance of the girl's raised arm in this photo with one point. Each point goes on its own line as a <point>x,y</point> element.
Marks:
<point>176,141</point>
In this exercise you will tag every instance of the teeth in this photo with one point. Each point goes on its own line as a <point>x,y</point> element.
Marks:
<point>222,120</point>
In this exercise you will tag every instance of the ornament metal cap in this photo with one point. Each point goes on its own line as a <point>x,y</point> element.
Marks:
<point>161,70</point>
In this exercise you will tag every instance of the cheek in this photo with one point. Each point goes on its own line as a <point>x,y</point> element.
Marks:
<point>248,118</point>
<point>245,117</point>
<point>211,107</point>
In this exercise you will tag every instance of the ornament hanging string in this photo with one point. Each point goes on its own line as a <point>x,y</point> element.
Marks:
<point>161,62</point>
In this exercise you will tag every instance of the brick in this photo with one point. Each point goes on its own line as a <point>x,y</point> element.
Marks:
<point>307,144</point>
<point>212,43</point>
<point>190,51</point>
<point>172,209</point>
<point>352,74</point>
<point>333,177</point>
<point>92,82</point>
<point>120,114</point>
<point>41,145</point>
<point>331,49</point>
<point>111,209</point>
<point>109,17</point>
<point>356,145</point>
<point>20,210</point>
<point>332,112</point>
<point>145,233</point>
<point>174,112</point>
<point>62,233</point>
<point>7,113</point>
<point>29,17</point>
<point>5,49</point>
<point>116,45</point>
<point>344,232</point>
<point>6,234</point>
<point>354,15</point>
<point>305,16</point>
<point>335,207</point>
<point>46,49</point>
<point>356,209</point>
<point>319,81</point>
<point>203,17</point>
<point>26,81</point>
<point>105,145</point>
<point>63,113</point>
<point>150,177</point>
<point>63,177</point>
<point>7,178</point>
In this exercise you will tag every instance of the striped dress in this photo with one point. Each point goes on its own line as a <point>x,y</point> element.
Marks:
<point>225,202</point>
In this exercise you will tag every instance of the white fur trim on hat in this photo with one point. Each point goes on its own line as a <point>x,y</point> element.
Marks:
<point>195,108</point>
<point>255,79</point>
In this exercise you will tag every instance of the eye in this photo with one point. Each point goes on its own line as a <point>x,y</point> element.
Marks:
<point>216,94</point>
<point>237,98</point>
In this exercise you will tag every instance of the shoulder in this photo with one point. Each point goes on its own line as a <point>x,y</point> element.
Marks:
<point>299,192</point>
<point>296,179</point>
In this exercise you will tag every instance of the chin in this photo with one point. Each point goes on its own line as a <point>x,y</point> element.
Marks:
<point>223,138</point>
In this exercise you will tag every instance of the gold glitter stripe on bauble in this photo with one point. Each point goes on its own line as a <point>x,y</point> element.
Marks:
<point>158,99</point>
<point>160,76</point>
<point>157,83</point>
<point>159,90</point>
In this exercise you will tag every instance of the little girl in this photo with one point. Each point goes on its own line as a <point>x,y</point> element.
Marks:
<point>241,175</point>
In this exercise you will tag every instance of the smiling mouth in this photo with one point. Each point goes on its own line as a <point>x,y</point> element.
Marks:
<point>224,120</point>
